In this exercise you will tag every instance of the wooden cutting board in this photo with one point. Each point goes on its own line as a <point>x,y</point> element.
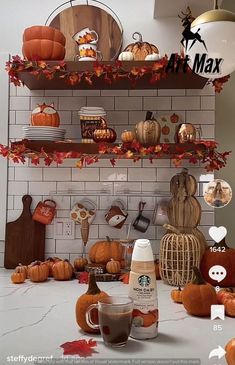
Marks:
<point>25,238</point>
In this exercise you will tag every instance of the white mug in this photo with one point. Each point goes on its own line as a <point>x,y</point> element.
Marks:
<point>88,52</point>
<point>86,36</point>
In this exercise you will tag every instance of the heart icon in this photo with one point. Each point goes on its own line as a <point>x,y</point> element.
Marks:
<point>217,233</point>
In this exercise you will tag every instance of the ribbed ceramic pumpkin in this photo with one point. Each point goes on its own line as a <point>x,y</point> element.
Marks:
<point>45,115</point>
<point>140,49</point>
<point>62,270</point>
<point>148,132</point>
<point>92,296</point>
<point>43,43</point>
<point>127,136</point>
<point>176,295</point>
<point>102,251</point>
<point>113,267</point>
<point>38,271</point>
<point>230,352</point>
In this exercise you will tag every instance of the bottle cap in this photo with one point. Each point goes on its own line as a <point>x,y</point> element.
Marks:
<point>142,251</point>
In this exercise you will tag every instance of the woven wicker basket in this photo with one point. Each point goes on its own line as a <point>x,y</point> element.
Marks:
<point>179,253</point>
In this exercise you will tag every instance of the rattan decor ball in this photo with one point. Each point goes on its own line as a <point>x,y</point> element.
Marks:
<point>179,253</point>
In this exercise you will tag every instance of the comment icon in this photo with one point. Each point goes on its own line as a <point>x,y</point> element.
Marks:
<point>217,273</point>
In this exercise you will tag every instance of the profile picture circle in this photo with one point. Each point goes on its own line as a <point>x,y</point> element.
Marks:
<point>217,193</point>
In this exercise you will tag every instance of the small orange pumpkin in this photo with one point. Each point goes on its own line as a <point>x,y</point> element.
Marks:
<point>18,277</point>
<point>62,270</point>
<point>92,296</point>
<point>80,263</point>
<point>45,115</point>
<point>230,352</point>
<point>50,262</point>
<point>127,136</point>
<point>227,298</point>
<point>113,267</point>
<point>102,251</point>
<point>198,296</point>
<point>176,295</point>
<point>22,268</point>
<point>38,271</point>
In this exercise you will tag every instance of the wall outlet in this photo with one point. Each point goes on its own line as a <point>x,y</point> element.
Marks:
<point>64,229</point>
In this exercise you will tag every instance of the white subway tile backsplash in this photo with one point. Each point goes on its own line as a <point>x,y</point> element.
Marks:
<point>171,92</point>
<point>35,100</point>
<point>15,131</point>
<point>157,103</point>
<point>23,117</point>
<point>67,246</point>
<point>93,231</point>
<point>71,103</point>
<point>19,103</point>
<point>50,246</point>
<point>114,92</point>
<point>66,186</point>
<point>114,233</point>
<point>85,174</point>
<point>135,117</point>
<point>10,202</point>
<point>165,174</point>
<point>65,118</point>
<point>156,163</point>
<point>201,117</point>
<point>107,201</point>
<point>107,102</point>
<point>11,173</point>
<point>12,117</point>
<point>186,102</point>
<point>58,92</point>
<point>151,92</point>
<point>207,102</point>
<point>145,174</point>
<point>18,201</point>
<point>86,92</point>
<point>28,174</point>
<point>128,103</point>
<point>117,118</point>
<point>41,188</point>
<point>57,174</point>
<point>24,91</point>
<point>17,187</point>
<point>113,174</point>
<point>133,204</point>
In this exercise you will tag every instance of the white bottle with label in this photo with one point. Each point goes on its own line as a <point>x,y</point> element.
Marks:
<point>143,290</point>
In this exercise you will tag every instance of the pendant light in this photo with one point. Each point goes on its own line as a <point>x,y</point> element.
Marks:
<point>216,33</point>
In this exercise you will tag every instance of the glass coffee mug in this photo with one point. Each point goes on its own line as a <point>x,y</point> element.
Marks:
<point>115,319</point>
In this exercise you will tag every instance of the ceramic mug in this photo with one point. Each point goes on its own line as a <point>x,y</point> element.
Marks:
<point>86,36</point>
<point>88,52</point>
<point>116,215</point>
<point>141,222</point>
<point>83,210</point>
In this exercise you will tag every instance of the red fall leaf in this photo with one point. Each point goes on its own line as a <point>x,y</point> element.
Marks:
<point>82,348</point>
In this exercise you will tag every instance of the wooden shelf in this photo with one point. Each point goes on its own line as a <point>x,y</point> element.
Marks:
<point>92,148</point>
<point>178,80</point>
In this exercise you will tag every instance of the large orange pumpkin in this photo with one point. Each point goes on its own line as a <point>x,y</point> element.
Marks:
<point>92,296</point>
<point>140,49</point>
<point>38,272</point>
<point>50,262</point>
<point>219,254</point>
<point>103,251</point>
<point>44,43</point>
<point>45,115</point>
<point>62,270</point>
<point>198,296</point>
<point>230,352</point>
<point>227,298</point>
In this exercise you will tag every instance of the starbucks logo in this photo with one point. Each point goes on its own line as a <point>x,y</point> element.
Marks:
<point>144,280</point>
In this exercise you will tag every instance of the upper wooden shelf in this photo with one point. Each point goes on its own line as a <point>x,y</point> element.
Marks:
<point>178,80</point>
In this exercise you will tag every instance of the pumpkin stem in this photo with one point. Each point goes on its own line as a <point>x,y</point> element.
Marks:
<point>171,228</point>
<point>92,288</point>
<point>108,239</point>
<point>221,244</point>
<point>139,39</point>
<point>179,288</point>
<point>198,280</point>
<point>149,115</point>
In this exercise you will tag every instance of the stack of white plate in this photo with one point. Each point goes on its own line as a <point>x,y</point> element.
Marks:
<point>43,133</point>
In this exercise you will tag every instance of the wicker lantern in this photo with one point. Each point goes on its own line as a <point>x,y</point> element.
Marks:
<point>179,253</point>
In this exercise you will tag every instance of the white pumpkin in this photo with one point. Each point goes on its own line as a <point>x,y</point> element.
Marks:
<point>126,56</point>
<point>152,57</point>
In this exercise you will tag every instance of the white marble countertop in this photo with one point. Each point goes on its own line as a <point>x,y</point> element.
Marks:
<point>35,319</point>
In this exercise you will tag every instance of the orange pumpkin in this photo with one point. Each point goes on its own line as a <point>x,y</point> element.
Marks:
<point>45,115</point>
<point>50,262</point>
<point>198,296</point>
<point>62,270</point>
<point>104,134</point>
<point>145,319</point>
<point>230,352</point>
<point>113,267</point>
<point>38,271</point>
<point>127,136</point>
<point>80,263</point>
<point>227,298</point>
<point>44,43</point>
<point>18,277</point>
<point>22,268</point>
<point>176,295</point>
<point>140,49</point>
<point>92,296</point>
<point>102,251</point>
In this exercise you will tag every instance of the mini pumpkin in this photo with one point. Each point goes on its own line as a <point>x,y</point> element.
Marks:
<point>176,295</point>
<point>45,115</point>
<point>126,56</point>
<point>80,263</point>
<point>127,136</point>
<point>148,132</point>
<point>102,251</point>
<point>113,267</point>
<point>104,133</point>
<point>92,296</point>
<point>50,262</point>
<point>152,57</point>
<point>18,277</point>
<point>62,270</point>
<point>38,271</point>
<point>198,296</point>
<point>230,352</point>
<point>22,268</point>
<point>140,49</point>
<point>227,298</point>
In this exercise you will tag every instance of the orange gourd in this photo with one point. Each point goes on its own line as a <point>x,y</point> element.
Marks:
<point>92,296</point>
<point>50,262</point>
<point>145,319</point>
<point>176,295</point>
<point>62,270</point>
<point>127,136</point>
<point>80,263</point>
<point>38,271</point>
<point>230,352</point>
<point>113,267</point>
<point>43,43</point>
<point>198,296</point>
<point>19,276</point>
<point>45,115</point>
<point>102,251</point>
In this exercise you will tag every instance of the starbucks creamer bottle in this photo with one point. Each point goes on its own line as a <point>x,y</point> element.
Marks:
<point>143,290</point>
